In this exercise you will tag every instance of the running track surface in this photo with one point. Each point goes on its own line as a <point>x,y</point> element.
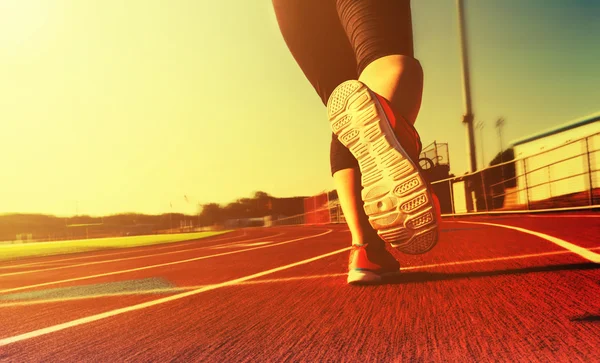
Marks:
<point>485,293</point>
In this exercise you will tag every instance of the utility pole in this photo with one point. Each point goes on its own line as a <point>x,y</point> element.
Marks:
<point>479,126</point>
<point>199,213</point>
<point>499,125</point>
<point>468,114</point>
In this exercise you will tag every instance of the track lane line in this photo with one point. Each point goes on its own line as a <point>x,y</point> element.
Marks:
<point>159,265</point>
<point>138,249</point>
<point>174,290</point>
<point>96,317</point>
<point>583,252</point>
<point>567,216</point>
<point>122,259</point>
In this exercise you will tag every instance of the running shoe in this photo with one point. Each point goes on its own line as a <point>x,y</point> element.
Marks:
<point>368,265</point>
<point>395,193</point>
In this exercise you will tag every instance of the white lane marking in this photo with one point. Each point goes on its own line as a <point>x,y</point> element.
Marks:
<point>525,211</point>
<point>16,267</point>
<point>170,290</point>
<point>157,265</point>
<point>118,259</point>
<point>120,253</point>
<point>237,245</point>
<point>165,291</point>
<point>419,267</point>
<point>284,279</point>
<point>583,252</point>
<point>567,216</point>
<point>92,318</point>
<point>225,245</point>
<point>492,259</point>
<point>87,297</point>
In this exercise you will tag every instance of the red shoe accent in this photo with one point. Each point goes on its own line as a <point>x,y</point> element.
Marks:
<point>387,109</point>
<point>360,260</point>
<point>376,260</point>
<point>404,131</point>
<point>370,266</point>
<point>436,207</point>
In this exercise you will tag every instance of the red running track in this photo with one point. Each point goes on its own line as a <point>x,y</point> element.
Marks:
<point>487,292</point>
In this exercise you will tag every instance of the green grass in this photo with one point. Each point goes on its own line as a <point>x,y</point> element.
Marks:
<point>12,251</point>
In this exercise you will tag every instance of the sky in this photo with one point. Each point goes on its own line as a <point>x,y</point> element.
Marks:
<point>128,106</point>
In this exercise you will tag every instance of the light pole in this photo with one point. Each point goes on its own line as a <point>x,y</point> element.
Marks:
<point>499,125</point>
<point>191,201</point>
<point>479,126</point>
<point>468,114</point>
<point>199,213</point>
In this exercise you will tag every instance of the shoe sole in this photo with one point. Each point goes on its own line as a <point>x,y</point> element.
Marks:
<point>395,195</point>
<point>363,277</point>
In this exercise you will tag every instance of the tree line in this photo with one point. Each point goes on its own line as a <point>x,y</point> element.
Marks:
<point>41,226</point>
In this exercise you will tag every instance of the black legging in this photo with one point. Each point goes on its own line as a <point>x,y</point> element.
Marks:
<point>334,40</point>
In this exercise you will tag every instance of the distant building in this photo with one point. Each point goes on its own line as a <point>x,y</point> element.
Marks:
<point>558,161</point>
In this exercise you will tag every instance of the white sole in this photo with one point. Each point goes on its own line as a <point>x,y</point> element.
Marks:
<point>367,277</point>
<point>395,195</point>
<point>362,277</point>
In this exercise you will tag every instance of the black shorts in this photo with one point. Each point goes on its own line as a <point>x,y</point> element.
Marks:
<point>334,40</point>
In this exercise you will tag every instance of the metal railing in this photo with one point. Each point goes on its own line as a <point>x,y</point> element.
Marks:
<point>332,212</point>
<point>534,183</point>
<point>437,153</point>
<point>539,182</point>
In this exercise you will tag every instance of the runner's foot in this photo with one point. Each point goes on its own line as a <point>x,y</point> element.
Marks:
<point>370,264</point>
<point>396,196</point>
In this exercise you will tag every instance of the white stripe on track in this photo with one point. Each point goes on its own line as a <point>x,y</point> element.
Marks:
<point>89,319</point>
<point>583,252</point>
<point>175,290</point>
<point>566,216</point>
<point>124,258</point>
<point>154,266</point>
<point>155,247</point>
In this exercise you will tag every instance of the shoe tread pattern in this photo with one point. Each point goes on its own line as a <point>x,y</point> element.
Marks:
<point>396,197</point>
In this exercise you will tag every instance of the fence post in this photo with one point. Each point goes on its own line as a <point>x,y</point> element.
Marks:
<point>451,196</point>
<point>484,193</point>
<point>549,182</point>
<point>314,218</point>
<point>591,190</point>
<point>328,208</point>
<point>526,184</point>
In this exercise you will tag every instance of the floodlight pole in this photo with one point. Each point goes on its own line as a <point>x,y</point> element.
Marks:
<point>468,115</point>
<point>480,125</point>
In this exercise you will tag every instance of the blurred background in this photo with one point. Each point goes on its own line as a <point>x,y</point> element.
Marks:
<point>120,118</point>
